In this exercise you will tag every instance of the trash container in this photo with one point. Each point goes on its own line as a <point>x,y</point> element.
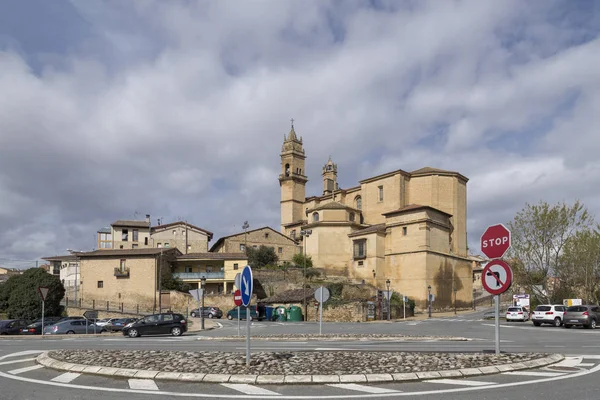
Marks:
<point>269,313</point>
<point>280,314</point>
<point>294,313</point>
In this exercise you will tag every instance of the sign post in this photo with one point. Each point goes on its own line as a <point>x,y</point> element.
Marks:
<point>238,283</point>
<point>246,288</point>
<point>237,300</point>
<point>43,291</point>
<point>404,300</point>
<point>90,314</point>
<point>321,295</point>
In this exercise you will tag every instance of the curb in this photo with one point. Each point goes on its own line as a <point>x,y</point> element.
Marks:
<point>48,362</point>
<point>338,338</point>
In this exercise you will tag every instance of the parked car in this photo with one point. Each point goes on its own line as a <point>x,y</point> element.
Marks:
<point>12,326</point>
<point>209,312</point>
<point>35,328</point>
<point>157,324</point>
<point>586,316</point>
<point>517,313</point>
<point>233,313</point>
<point>117,324</point>
<point>548,314</point>
<point>71,326</point>
<point>104,321</point>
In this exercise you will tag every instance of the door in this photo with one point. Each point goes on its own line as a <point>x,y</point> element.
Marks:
<point>165,324</point>
<point>149,325</point>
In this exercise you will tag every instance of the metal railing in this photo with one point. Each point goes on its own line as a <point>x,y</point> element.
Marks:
<point>199,275</point>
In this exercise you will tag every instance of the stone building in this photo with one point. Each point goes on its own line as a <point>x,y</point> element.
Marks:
<point>408,227</point>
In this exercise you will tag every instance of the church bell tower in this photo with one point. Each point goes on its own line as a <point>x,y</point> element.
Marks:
<point>292,180</point>
<point>329,177</point>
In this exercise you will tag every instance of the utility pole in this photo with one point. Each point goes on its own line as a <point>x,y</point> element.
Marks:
<point>160,281</point>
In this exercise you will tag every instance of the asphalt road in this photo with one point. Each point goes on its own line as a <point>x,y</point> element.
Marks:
<point>20,379</point>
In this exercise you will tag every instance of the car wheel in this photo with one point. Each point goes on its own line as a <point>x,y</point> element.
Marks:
<point>193,314</point>
<point>133,333</point>
<point>557,322</point>
<point>567,326</point>
<point>536,323</point>
<point>176,331</point>
<point>229,316</point>
<point>592,324</point>
<point>70,333</point>
<point>210,316</point>
<point>250,318</point>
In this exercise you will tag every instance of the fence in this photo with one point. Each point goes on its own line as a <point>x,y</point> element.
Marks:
<point>109,306</point>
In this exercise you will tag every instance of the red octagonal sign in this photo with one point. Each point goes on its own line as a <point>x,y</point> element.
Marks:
<point>237,298</point>
<point>495,241</point>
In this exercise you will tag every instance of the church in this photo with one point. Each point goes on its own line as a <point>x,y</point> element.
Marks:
<point>406,227</point>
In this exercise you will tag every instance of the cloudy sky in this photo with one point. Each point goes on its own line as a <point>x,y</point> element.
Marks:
<point>114,109</point>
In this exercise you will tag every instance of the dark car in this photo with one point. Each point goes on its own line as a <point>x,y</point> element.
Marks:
<point>233,313</point>
<point>35,328</point>
<point>586,316</point>
<point>12,326</point>
<point>157,324</point>
<point>117,324</point>
<point>209,312</point>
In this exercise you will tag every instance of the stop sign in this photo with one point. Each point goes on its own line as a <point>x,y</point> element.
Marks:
<point>237,297</point>
<point>495,241</point>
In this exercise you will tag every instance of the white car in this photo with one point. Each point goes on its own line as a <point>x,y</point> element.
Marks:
<point>517,314</point>
<point>548,314</point>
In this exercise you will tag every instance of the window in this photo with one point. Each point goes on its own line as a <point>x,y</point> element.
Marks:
<point>188,269</point>
<point>121,246</point>
<point>209,268</point>
<point>105,236</point>
<point>242,247</point>
<point>174,231</point>
<point>280,250</point>
<point>122,265</point>
<point>159,245</point>
<point>167,245</point>
<point>134,246</point>
<point>100,284</point>
<point>287,169</point>
<point>293,234</point>
<point>315,216</point>
<point>352,217</point>
<point>404,230</point>
<point>105,245</point>
<point>167,317</point>
<point>266,235</point>
<point>236,266</point>
<point>254,246</point>
<point>358,202</point>
<point>189,246</point>
<point>150,319</point>
<point>124,235</point>
<point>146,241</point>
<point>380,193</point>
<point>135,234</point>
<point>361,263</point>
<point>360,248</point>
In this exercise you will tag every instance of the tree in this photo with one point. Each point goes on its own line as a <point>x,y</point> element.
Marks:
<point>262,256</point>
<point>23,298</point>
<point>299,259</point>
<point>169,282</point>
<point>539,234</point>
<point>579,273</point>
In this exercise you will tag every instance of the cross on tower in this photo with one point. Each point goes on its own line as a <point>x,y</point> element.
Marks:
<point>292,122</point>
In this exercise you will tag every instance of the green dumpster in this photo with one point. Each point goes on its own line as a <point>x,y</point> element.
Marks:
<point>279,314</point>
<point>294,313</point>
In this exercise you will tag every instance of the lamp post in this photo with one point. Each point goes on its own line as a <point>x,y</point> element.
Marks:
<point>455,301</point>
<point>389,297</point>
<point>202,285</point>
<point>245,227</point>
<point>305,234</point>
<point>429,299</point>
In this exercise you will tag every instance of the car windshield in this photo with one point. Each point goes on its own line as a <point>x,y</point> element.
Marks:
<point>575,309</point>
<point>543,308</point>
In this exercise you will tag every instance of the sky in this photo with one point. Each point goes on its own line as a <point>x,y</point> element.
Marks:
<point>112,110</point>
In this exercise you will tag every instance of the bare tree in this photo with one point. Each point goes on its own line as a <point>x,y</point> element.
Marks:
<point>579,273</point>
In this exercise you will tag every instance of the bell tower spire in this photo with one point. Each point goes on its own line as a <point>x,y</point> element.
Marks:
<point>329,177</point>
<point>292,179</point>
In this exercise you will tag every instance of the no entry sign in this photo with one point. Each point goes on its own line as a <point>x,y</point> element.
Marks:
<point>496,277</point>
<point>237,297</point>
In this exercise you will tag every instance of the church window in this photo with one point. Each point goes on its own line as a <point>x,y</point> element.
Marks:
<point>360,248</point>
<point>358,202</point>
<point>316,217</point>
<point>287,169</point>
<point>404,230</point>
<point>352,217</point>
<point>380,193</point>
<point>242,247</point>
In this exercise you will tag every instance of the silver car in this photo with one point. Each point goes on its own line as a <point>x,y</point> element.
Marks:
<point>71,327</point>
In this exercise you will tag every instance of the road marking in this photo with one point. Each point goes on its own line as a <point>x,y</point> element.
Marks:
<point>463,382</point>
<point>556,346</point>
<point>26,369</point>
<point>67,377</point>
<point>23,353</point>
<point>143,384</point>
<point>334,349</point>
<point>569,362</point>
<point>533,373</point>
<point>17,361</point>
<point>362,388</point>
<point>249,389</point>
<point>592,357</point>
<point>586,364</point>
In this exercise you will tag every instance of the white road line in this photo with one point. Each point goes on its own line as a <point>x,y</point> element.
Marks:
<point>249,389</point>
<point>592,356</point>
<point>362,388</point>
<point>559,347</point>
<point>334,349</point>
<point>533,373</point>
<point>23,353</point>
<point>17,361</point>
<point>144,384</point>
<point>462,382</point>
<point>569,362</point>
<point>67,377</point>
<point>586,364</point>
<point>26,369</point>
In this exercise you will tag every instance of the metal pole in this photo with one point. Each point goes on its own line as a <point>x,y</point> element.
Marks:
<point>404,304</point>
<point>455,301</point>
<point>76,278</point>
<point>497,327</point>
<point>43,317</point>
<point>86,326</point>
<point>160,282</point>
<point>321,315</point>
<point>202,310</point>
<point>304,281</point>
<point>248,335</point>
<point>238,307</point>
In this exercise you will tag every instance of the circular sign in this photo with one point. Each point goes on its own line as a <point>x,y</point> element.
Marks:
<point>322,294</point>
<point>495,241</point>
<point>237,298</point>
<point>496,277</point>
<point>246,285</point>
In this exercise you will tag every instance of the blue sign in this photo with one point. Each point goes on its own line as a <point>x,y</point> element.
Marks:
<point>246,285</point>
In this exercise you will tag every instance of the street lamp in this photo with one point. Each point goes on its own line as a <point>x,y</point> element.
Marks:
<point>305,233</point>
<point>245,227</point>
<point>389,297</point>
<point>202,285</point>
<point>455,301</point>
<point>429,299</point>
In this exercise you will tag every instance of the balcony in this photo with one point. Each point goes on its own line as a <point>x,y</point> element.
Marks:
<point>185,276</point>
<point>122,273</point>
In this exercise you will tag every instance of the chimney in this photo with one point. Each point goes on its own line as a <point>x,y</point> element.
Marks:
<point>148,218</point>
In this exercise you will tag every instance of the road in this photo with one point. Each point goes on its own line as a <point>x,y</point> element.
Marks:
<point>20,378</point>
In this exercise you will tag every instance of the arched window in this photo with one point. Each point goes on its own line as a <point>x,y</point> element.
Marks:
<point>315,216</point>
<point>358,202</point>
<point>287,169</point>
<point>352,217</point>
